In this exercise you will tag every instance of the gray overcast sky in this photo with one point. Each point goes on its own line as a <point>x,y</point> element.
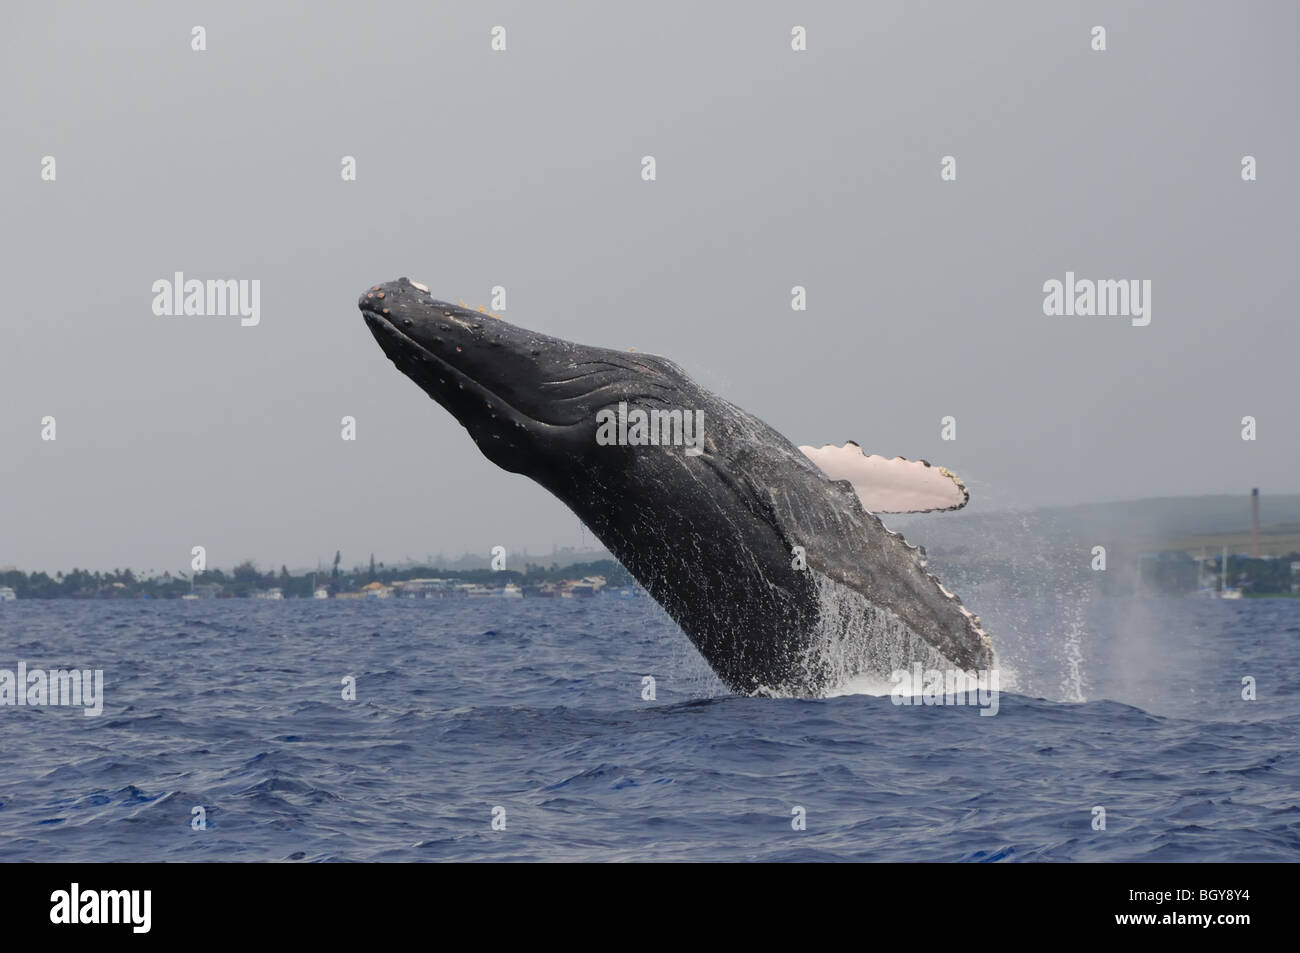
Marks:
<point>522,169</point>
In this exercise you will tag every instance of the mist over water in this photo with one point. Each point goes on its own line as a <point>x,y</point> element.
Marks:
<point>1033,588</point>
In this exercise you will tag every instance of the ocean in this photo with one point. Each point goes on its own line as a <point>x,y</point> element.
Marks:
<point>490,729</point>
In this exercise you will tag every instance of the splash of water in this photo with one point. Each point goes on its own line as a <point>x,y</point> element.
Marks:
<point>858,645</point>
<point>1072,682</point>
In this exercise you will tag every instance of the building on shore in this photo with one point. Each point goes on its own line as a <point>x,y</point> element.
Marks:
<point>422,588</point>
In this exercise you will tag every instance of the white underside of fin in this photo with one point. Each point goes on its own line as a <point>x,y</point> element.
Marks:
<point>890,486</point>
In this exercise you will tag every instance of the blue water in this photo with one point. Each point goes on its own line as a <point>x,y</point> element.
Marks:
<point>535,706</point>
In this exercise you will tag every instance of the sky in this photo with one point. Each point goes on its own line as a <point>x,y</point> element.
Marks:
<point>522,168</point>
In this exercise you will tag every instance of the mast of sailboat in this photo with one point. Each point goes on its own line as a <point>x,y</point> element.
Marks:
<point>1223,571</point>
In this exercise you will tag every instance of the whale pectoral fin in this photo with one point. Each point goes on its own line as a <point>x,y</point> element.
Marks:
<point>852,547</point>
<point>890,486</point>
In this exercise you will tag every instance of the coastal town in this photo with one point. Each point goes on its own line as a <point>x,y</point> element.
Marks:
<point>440,588</point>
<point>588,580</point>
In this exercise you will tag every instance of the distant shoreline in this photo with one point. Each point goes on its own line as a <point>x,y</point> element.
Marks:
<point>246,581</point>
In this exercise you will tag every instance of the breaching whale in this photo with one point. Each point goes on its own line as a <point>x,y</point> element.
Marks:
<point>769,557</point>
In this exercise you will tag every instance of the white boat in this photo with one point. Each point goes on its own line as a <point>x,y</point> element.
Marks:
<point>320,593</point>
<point>512,591</point>
<point>7,594</point>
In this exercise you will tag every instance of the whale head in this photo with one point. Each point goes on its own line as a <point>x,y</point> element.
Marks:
<point>529,401</point>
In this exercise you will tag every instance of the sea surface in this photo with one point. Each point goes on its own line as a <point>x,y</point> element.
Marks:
<point>533,712</point>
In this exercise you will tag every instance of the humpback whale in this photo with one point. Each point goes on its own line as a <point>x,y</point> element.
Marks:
<point>770,557</point>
